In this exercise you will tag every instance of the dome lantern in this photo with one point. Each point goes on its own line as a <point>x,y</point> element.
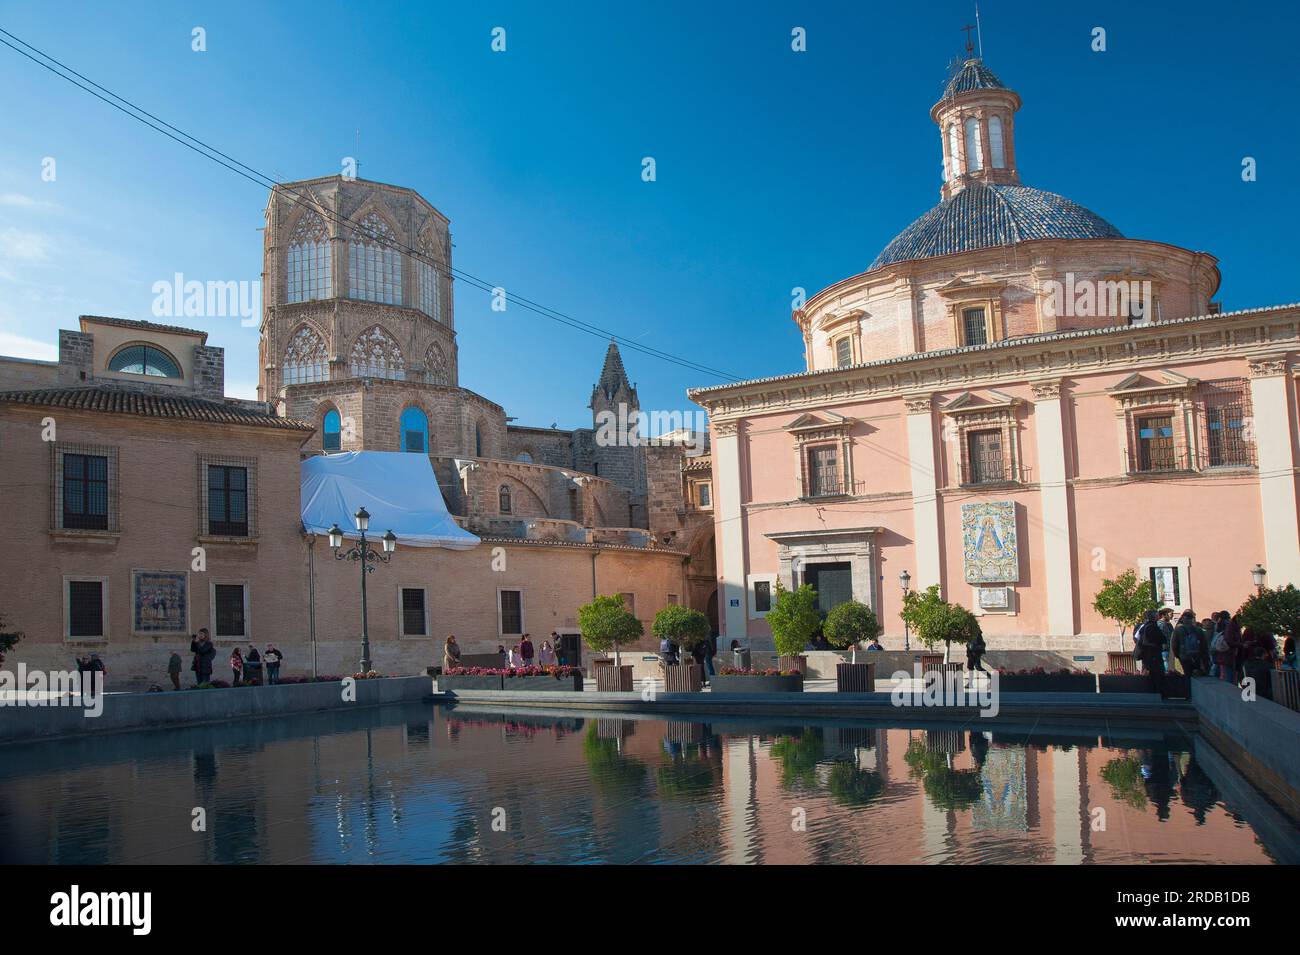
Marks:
<point>976,119</point>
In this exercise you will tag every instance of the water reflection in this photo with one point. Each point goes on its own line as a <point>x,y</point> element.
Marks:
<point>418,784</point>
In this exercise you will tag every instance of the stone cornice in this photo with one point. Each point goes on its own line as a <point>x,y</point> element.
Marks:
<point>1257,334</point>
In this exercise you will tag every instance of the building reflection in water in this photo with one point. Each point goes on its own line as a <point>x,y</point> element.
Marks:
<point>482,785</point>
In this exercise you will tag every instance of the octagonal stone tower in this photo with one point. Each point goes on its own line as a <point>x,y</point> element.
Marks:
<point>358,332</point>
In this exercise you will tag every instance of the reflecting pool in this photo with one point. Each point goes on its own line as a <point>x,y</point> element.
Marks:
<point>419,783</point>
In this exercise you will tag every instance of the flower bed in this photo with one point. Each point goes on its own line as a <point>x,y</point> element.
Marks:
<point>770,680</point>
<point>1038,680</point>
<point>519,678</point>
<point>1124,682</point>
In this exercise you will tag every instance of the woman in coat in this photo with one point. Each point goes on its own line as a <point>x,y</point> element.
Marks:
<point>450,654</point>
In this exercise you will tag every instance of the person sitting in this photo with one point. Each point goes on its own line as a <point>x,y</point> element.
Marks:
<point>875,644</point>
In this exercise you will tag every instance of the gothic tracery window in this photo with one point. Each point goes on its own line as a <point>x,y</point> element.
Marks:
<point>435,365</point>
<point>429,279</point>
<point>308,263</point>
<point>376,354</point>
<point>374,262</point>
<point>306,359</point>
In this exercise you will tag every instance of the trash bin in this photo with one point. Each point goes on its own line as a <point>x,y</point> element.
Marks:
<point>740,659</point>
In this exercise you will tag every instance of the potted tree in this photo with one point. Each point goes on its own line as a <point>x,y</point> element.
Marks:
<point>605,624</point>
<point>794,619</point>
<point>847,625</point>
<point>935,620</point>
<point>686,628</point>
<point>1123,601</point>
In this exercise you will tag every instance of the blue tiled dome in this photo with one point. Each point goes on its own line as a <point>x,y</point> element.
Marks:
<point>973,75</point>
<point>985,216</point>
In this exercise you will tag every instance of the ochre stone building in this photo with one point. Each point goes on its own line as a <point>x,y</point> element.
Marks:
<point>162,506</point>
<point>1014,402</point>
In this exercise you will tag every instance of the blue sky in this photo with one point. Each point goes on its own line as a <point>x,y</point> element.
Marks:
<point>775,169</point>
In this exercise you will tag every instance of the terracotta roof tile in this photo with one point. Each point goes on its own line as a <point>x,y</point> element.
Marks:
<point>151,405</point>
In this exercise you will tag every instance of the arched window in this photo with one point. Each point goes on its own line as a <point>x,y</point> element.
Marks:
<point>308,266</point>
<point>429,278</point>
<point>523,457</point>
<point>415,431</point>
<point>435,366</point>
<point>374,263</point>
<point>954,159</point>
<point>974,146</point>
<point>376,354</point>
<point>144,360</point>
<point>503,498</point>
<point>478,441</point>
<point>332,431</point>
<point>995,143</point>
<point>306,358</point>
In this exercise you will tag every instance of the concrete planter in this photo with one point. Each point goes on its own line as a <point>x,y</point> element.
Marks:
<point>1048,683</point>
<point>1124,683</point>
<point>543,684</point>
<point>799,663</point>
<point>757,684</point>
<point>614,679</point>
<point>855,678</point>
<point>453,683</point>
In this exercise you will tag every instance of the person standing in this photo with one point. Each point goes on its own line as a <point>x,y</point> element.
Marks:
<point>546,655</point>
<point>526,650</point>
<point>451,654</point>
<point>236,667</point>
<point>974,651</point>
<point>273,658</point>
<point>561,654</point>
<point>1149,646</point>
<point>174,670</point>
<point>205,654</point>
<point>1187,643</point>
<point>710,651</point>
<point>253,667</point>
<point>1166,626</point>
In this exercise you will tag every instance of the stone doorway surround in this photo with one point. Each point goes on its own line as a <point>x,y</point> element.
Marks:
<point>856,545</point>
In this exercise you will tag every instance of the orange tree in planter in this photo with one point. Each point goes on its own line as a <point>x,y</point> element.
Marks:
<point>794,619</point>
<point>682,625</point>
<point>606,623</point>
<point>935,620</point>
<point>848,624</point>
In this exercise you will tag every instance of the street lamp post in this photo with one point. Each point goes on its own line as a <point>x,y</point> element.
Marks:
<point>904,579</point>
<point>365,555</point>
<point>1257,574</point>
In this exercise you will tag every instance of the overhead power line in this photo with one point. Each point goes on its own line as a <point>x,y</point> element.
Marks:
<point>210,152</point>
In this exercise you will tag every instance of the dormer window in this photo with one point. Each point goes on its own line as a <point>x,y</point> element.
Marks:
<point>144,360</point>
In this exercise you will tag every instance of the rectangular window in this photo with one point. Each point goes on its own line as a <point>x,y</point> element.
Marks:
<point>974,328</point>
<point>227,501</point>
<point>512,612</point>
<point>1155,436</point>
<point>824,471</point>
<point>844,352</point>
<point>228,610</point>
<point>85,599</point>
<point>672,599</point>
<point>985,450</point>
<point>704,494</point>
<point>1227,413</point>
<point>413,616</point>
<point>762,596</point>
<point>85,492</point>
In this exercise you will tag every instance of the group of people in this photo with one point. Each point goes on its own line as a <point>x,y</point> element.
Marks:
<point>702,653</point>
<point>523,654</point>
<point>1218,646</point>
<point>245,669</point>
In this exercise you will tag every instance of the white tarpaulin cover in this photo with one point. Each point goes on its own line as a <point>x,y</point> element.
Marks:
<point>399,490</point>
